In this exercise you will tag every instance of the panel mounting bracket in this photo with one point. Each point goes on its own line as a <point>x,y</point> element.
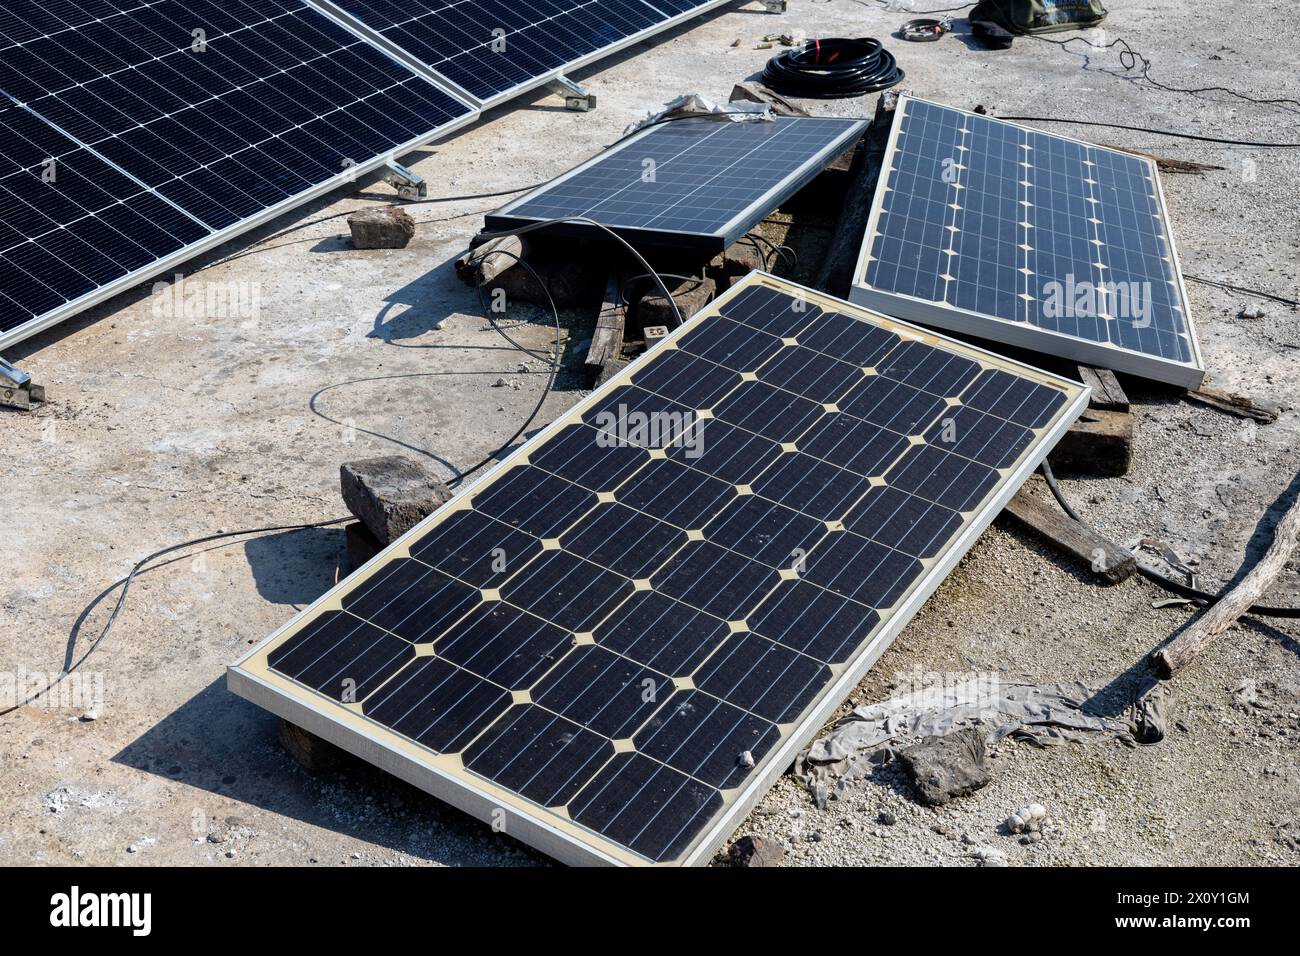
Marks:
<point>576,96</point>
<point>17,389</point>
<point>408,183</point>
<point>776,6</point>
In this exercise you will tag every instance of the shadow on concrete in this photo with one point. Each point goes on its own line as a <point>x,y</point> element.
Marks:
<point>225,745</point>
<point>295,567</point>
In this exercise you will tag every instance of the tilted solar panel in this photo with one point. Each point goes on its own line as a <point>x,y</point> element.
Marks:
<point>690,182</point>
<point>221,114</point>
<point>613,643</point>
<point>1023,237</point>
<point>496,49</point>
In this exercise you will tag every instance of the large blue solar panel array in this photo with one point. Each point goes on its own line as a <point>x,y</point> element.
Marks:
<point>706,181</point>
<point>204,112</point>
<point>493,47</point>
<point>1029,228</point>
<point>620,627</point>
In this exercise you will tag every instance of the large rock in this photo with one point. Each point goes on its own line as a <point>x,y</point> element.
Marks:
<point>384,228</point>
<point>391,495</point>
<point>941,768</point>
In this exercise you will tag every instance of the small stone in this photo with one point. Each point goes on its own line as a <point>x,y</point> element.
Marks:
<point>887,818</point>
<point>90,715</point>
<point>746,759</point>
<point>755,850</point>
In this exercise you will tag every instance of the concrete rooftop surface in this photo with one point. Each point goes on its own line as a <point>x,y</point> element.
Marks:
<point>163,428</point>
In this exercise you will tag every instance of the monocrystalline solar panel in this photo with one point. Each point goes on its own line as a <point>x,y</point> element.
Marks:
<point>1017,236</point>
<point>496,49</point>
<point>211,115</point>
<point>71,223</point>
<point>701,182</point>
<point>612,644</point>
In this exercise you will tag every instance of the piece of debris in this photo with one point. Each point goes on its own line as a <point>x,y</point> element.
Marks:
<point>989,856</point>
<point>1040,714</point>
<point>90,715</point>
<point>1150,713</point>
<point>755,850</point>
<point>654,334</point>
<point>1167,164</point>
<point>391,494</point>
<point>1240,405</point>
<point>1251,312</point>
<point>385,228</point>
<point>943,768</point>
<point>1027,819</point>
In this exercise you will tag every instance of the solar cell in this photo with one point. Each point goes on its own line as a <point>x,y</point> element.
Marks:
<point>204,118</point>
<point>698,182</point>
<point>613,643</point>
<point>1027,238</point>
<point>496,49</point>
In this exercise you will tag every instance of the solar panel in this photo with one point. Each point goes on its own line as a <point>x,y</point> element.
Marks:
<point>1017,236</point>
<point>497,49</point>
<point>692,182</point>
<point>613,643</point>
<point>212,117</point>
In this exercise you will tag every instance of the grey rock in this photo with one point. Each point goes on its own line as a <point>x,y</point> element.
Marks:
<point>755,850</point>
<point>391,494</point>
<point>942,768</point>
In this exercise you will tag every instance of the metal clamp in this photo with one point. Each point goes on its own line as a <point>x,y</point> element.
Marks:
<point>409,184</point>
<point>17,389</point>
<point>576,96</point>
<point>776,6</point>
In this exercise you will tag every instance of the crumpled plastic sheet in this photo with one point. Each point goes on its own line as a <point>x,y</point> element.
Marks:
<point>697,104</point>
<point>1043,715</point>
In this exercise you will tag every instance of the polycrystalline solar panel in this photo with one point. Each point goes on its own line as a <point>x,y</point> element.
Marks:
<point>208,115</point>
<point>614,642</point>
<point>701,182</point>
<point>495,49</point>
<point>1022,237</point>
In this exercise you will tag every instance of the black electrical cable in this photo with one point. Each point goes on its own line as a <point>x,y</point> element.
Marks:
<point>833,68</point>
<point>1147,129</point>
<point>554,359</point>
<point>1169,584</point>
<point>138,569</point>
<point>1130,58</point>
<point>1243,289</point>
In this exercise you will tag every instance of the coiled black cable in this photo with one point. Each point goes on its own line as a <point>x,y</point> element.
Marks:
<point>833,69</point>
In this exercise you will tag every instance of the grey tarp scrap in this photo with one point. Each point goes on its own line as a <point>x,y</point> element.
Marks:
<point>1042,714</point>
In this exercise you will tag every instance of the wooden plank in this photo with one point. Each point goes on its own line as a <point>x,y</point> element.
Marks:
<point>836,275</point>
<point>1107,394</point>
<point>1180,652</point>
<point>607,339</point>
<point>1103,557</point>
<point>1266,413</point>
<point>479,266</point>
